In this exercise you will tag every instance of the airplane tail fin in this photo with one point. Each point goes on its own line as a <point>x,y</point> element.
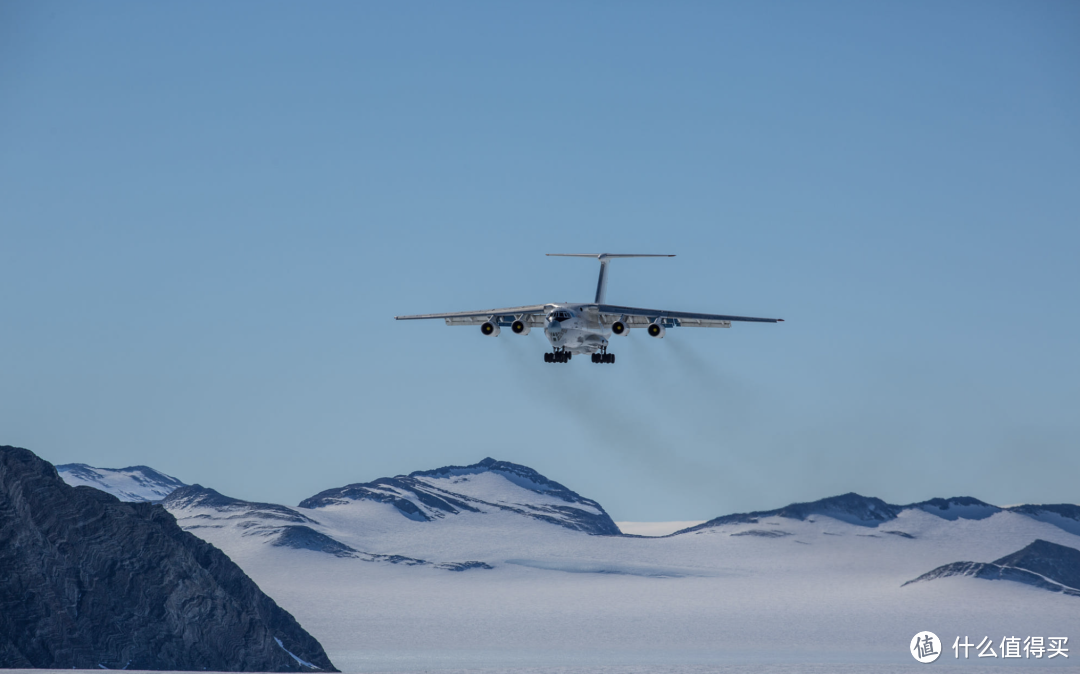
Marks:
<point>601,284</point>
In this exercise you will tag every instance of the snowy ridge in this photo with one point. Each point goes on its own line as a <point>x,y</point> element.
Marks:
<point>224,520</point>
<point>483,487</point>
<point>134,483</point>
<point>261,515</point>
<point>871,512</point>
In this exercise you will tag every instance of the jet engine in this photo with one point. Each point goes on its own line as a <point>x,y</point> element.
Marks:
<point>520,327</point>
<point>655,330</point>
<point>490,329</point>
<point>620,328</point>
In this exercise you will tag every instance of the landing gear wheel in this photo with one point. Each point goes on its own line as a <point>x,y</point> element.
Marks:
<point>596,358</point>
<point>548,357</point>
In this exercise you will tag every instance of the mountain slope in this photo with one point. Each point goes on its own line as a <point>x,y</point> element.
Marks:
<point>220,518</point>
<point>89,581</point>
<point>1042,564</point>
<point>134,483</point>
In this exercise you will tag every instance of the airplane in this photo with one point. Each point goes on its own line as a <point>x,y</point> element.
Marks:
<point>585,328</point>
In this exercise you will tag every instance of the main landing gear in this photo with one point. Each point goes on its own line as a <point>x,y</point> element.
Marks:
<point>604,357</point>
<point>557,357</point>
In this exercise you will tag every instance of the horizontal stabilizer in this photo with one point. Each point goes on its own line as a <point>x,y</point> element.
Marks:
<point>601,256</point>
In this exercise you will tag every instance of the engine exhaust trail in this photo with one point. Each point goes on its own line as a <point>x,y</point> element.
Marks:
<point>576,393</point>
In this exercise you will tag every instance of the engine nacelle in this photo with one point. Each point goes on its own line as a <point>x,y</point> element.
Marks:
<point>620,328</point>
<point>490,329</point>
<point>655,330</point>
<point>520,327</point>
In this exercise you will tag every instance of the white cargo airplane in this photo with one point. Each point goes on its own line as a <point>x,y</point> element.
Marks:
<point>585,328</point>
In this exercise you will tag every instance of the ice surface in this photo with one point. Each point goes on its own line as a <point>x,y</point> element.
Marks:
<point>616,662</point>
<point>556,599</point>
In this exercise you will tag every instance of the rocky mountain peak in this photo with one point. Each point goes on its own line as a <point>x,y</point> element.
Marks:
<point>1057,562</point>
<point>90,581</point>
<point>1041,564</point>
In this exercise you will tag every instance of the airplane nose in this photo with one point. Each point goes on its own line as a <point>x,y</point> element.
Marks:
<point>554,325</point>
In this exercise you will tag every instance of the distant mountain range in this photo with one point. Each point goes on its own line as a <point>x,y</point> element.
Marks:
<point>509,489</point>
<point>496,555</point>
<point>873,512</point>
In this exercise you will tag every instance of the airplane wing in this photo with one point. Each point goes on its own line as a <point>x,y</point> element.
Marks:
<point>533,315</point>
<point>635,317</point>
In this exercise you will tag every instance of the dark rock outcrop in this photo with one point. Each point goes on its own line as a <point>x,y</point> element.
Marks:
<point>957,508</point>
<point>901,534</point>
<point>1042,564</point>
<point>305,538</point>
<point>418,499</point>
<point>89,581</point>
<point>762,533</point>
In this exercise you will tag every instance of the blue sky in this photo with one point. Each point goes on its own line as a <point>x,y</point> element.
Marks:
<point>210,213</point>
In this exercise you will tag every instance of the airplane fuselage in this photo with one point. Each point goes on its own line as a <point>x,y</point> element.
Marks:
<point>576,328</point>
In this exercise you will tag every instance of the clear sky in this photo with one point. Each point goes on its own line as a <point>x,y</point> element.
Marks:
<point>211,211</point>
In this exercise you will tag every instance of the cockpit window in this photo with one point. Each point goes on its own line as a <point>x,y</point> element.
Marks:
<point>561,315</point>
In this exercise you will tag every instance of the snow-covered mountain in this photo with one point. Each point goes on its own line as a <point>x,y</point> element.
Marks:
<point>487,486</point>
<point>368,569</point>
<point>372,521</point>
<point>134,483</point>
<point>1042,564</point>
